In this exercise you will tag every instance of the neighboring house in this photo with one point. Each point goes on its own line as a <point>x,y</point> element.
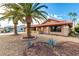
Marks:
<point>53,26</point>
<point>7,29</point>
<point>21,28</point>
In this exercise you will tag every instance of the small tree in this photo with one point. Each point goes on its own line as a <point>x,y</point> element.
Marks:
<point>73,17</point>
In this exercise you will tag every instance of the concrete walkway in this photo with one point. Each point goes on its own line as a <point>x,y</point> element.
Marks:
<point>44,37</point>
<point>10,33</point>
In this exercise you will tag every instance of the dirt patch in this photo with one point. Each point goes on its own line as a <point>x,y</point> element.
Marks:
<point>68,49</point>
<point>61,49</point>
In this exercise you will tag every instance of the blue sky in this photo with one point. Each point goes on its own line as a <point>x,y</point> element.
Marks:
<point>61,10</point>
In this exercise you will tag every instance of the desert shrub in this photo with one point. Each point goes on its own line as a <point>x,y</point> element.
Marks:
<point>29,44</point>
<point>77,29</point>
<point>51,42</point>
<point>6,30</point>
<point>72,33</point>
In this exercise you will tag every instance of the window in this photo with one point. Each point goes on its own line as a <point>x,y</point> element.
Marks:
<point>21,28</point>
<point>55,28</point>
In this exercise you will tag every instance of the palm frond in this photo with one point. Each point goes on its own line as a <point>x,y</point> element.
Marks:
<point>36,20</point>
<point>42,6</point>
<point>35,5</point>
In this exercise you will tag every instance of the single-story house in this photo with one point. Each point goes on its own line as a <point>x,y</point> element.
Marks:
<point>53,26</point>
<point>20,28</point>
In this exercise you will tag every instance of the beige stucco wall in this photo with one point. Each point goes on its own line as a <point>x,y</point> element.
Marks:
<point>46,29</point>
<point>42,29</point>
<point>65,30</point>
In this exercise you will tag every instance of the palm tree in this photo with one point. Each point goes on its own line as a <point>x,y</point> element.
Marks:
<point>73,16</point>
<point>32,12</point>
<point>12,13</point>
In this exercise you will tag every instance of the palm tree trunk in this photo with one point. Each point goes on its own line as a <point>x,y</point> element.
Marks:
<point>28,30</point>
<point>73,24</point>
<point>15,28</point>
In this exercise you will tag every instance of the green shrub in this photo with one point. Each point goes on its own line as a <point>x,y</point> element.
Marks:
<point>29,44</point>
<point>77,29</point>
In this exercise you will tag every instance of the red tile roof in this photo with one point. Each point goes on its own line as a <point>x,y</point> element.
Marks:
<point>53,22</point>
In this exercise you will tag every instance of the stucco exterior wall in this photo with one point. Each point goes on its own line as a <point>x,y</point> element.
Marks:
<point>42,29</point>
<point>46,29</point>
<point>65,30</point>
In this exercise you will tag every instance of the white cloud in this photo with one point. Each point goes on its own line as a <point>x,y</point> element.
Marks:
<point>77,21</point>
<point>51,15</point>
<point>58,16</point>
<point>48,16</point>
<point>55,16</point>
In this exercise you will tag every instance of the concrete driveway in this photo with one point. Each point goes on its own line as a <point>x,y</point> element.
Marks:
<point>10,33</point>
